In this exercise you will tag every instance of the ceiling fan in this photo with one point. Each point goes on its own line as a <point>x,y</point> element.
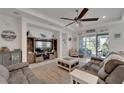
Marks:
<point>78,18</point>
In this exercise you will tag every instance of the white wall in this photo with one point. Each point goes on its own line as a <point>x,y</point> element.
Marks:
<point>64,45</point>
<point>10,23</point>
<point>74,43</point>
<point>36,32</point>
<point>118,43</point>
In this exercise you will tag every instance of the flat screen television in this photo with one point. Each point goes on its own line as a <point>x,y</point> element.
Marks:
<point>43,46</point>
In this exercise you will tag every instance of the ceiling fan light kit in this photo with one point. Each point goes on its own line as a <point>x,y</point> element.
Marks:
<point>77,24</point>
<point>78,19</point>
<point>104,17</point>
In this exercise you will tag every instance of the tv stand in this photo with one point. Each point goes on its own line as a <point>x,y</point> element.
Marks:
<point>36,55</point>
<point>45,56</point>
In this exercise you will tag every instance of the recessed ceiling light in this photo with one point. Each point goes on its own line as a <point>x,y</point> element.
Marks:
<point>104,17</point>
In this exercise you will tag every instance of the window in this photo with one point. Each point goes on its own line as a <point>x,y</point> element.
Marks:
<point>88,46</point>
<point>96,45</point>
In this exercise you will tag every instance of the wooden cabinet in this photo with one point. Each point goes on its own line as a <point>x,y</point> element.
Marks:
<point>31,58</point>
<point>1,62</point>
<point>6,59</point>
<point>9,58</point>
<point>16,57</point>
<point>30,44</point>
<point>30,50</point>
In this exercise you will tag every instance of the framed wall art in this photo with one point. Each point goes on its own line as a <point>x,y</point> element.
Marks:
<point>8,35</point>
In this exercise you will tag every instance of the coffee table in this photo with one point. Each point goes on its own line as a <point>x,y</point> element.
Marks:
<point>68,63</point>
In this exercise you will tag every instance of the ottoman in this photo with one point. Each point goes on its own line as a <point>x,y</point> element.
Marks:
<point>68,63</point>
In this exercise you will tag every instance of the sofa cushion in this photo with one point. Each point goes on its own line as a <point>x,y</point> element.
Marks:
<point>90,68</point>
<point>4,72</point>
<point>116,76</point>
<point>94,67</point>
<point>110,61</point>
<point>100,81</point>
<point>112,64</point>
<point>3,80</point>
<point>32,79</point>
<point>17,77</point>
<point>102,74</point>
<point>17,66</point>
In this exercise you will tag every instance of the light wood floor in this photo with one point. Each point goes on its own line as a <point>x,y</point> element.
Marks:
<point>51,73</point>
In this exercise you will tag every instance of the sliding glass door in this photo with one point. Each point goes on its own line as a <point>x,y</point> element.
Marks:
<point>92,46</point>
<point>88,46</point>
<point>102,45</point>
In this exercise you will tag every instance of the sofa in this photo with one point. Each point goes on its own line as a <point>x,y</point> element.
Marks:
<point>112,71</point>
<point>18,74</point>
<point>93,66</point>
<point>109,71</point>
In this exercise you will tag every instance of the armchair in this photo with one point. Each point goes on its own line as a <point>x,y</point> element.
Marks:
<point>73,52</point>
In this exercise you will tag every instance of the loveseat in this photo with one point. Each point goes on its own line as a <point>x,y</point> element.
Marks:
<point>18,74</point>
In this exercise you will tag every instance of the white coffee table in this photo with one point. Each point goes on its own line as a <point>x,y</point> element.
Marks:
<point>68,63</point>
<point>81,77</point>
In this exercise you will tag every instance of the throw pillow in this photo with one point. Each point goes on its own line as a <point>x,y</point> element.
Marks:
<point>4,72</point>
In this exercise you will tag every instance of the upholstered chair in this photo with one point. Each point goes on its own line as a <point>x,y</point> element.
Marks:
<point>73,52</point>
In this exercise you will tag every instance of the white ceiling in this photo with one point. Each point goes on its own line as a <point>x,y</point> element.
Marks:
<point>51,16</point>
<point>112,14</point>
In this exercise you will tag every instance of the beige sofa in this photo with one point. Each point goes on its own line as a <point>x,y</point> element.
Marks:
<point>112,71</point>
<point>18,74</point>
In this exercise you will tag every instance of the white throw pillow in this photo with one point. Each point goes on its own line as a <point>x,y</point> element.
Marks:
<point>3,80</point>
<point>4,72</point>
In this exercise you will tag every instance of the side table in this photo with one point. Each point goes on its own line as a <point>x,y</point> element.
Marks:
<point>81,77</point>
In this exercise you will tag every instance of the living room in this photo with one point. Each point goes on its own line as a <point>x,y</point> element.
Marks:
<point>57,52</point>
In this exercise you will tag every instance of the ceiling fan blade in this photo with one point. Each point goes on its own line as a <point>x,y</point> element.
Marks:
<point>67,18</point>
<point>83,12</point>
<point>69,23</point>
<point>89,19</point>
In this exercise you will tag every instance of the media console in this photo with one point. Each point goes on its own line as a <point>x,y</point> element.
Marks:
<point>41,49</point>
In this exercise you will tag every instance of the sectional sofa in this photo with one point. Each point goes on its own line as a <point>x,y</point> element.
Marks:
<point>18,74</point>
